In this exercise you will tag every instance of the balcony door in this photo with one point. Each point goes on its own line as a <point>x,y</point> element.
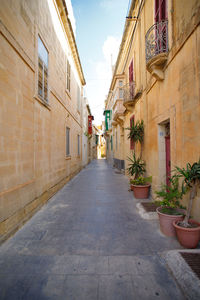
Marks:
<point>160,28</point>
<point>131,85</point>
<point>160,10</point>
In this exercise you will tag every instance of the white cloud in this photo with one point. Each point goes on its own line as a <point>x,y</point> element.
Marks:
<point>98,89</point>
<point>110,5</point>
<point>111,47</point>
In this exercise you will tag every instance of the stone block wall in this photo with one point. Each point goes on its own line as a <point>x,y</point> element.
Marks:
<point>33,161</point>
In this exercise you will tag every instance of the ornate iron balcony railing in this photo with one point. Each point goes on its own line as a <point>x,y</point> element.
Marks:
<point>129,91</point>
<point>156,39</point>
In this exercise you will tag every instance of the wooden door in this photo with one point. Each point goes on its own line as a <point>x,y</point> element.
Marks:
<point>168,159</point>
<point>132,144</point>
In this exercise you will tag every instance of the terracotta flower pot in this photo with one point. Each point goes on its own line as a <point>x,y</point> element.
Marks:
<point>188,237</point>
<point>166,222</point>
<point>132,187</point>
<point>141,191</point>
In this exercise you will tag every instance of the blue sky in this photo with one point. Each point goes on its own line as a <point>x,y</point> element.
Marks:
<point>99,28</point>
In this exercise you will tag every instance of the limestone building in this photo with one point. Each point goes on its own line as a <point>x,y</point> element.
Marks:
<point>157,79</point>
<point>41,106</point>
<point>86,138</point>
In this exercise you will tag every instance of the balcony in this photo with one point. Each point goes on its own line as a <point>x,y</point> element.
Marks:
<point>107,114</point>
<point>118,111</point>
<point>118,93</point>
<point>156,41</point>
<point>130,95</point>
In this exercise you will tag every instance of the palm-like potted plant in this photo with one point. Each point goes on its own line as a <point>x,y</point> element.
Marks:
<point>170,208</point>
<point>139,185</point>
<point>136,166</point>
<point>136,133</point>
<point>188,230</point>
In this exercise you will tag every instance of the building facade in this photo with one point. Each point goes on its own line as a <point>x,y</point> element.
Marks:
<point>86,143</point>
<point>40,107</point>
<point>157,80</point>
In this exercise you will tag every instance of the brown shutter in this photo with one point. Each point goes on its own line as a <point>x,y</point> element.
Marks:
<point>132,144</point>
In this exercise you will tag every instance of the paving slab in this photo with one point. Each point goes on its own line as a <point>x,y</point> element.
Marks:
<point>90,242</point>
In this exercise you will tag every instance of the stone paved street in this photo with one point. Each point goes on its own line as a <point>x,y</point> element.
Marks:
<point>88,242</point>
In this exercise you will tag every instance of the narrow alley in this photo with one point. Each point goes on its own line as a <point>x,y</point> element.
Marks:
<point>99,150</point>
<point>88,242</point>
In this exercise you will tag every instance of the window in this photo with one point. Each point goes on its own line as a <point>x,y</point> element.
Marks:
<point>121,93</point>
<point>160,15</point>
<point>116,139</point>
<point>78,99</point>
<point>131,72</point>
<point>78,143</point>
<point>107,114</point>
<point>160,10</point>
<point>120,89</point>
<point>97,139</point>
<point>120,83</point>
<point>67,141</point>
<point>68,76</point>
<point>42,71</point>
<point>132,144</point>
<point>131,83</point>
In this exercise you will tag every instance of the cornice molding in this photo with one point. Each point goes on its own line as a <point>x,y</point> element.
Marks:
<point>128,26</point>
<point>70,35</point>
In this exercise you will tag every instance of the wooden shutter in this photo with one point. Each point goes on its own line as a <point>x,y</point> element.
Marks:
<point>67,141</point>
<point>131,86</point>
<point>160,10</point>
<point>45,83</point>
<point>132,144</point>
<point>131,72</point>
<point>78,150</point>
<point>68,76</point>
<point>40,77</point>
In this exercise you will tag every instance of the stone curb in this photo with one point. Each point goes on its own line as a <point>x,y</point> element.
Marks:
<point>186,278</point>
<point>146,215</point>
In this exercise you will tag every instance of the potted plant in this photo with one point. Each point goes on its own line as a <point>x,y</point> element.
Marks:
<point>136,133</point>
<point>139,185</point>
<point>170,208</point>
<point>136,166</point>
<point>188,230</point>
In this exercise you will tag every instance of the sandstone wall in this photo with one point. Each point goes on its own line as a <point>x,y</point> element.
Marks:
<point>33,162</point>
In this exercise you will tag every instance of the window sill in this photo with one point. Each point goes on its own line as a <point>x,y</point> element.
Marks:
<point>43,102</point>
<point>68,157</point>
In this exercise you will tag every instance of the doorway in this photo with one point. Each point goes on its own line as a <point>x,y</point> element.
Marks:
<point>164,152</point>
